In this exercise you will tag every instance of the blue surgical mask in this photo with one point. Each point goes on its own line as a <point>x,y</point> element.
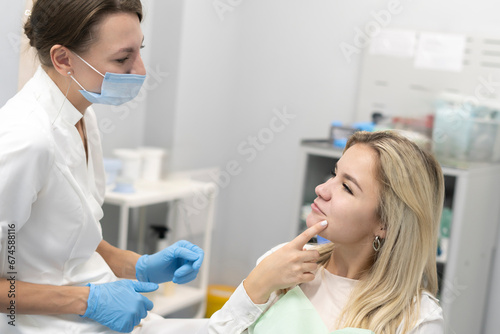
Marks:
<point>116,88</point>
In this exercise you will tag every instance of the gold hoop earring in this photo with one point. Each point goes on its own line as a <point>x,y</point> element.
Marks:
<point>377,243</point>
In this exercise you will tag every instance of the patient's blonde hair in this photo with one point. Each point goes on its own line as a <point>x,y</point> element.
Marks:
<point>411,199</point>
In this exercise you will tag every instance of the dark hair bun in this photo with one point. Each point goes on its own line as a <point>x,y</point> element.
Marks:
<point>28,31</point>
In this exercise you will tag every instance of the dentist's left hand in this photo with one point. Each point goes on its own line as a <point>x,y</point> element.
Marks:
<point>119,305</point>
<point>179,263</point>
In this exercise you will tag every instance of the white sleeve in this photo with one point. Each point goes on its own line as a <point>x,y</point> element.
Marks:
<point>430,327</point>
<point>431,316</point>
<point>269,252</point>
<point>25,157</point>
<point>237,314</point>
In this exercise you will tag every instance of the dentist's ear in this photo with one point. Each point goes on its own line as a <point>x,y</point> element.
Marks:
<point>60,56</point>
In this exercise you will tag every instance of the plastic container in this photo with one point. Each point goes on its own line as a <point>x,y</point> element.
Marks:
<point>465,133</point>
<point>130,172</point>
<point>152,163</point>
<point>444,234</point>
<point>339,134</point>
<point>217,296</point>
<point>112,168</point>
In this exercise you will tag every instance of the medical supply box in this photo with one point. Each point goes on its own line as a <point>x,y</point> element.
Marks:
<point>466,131</point>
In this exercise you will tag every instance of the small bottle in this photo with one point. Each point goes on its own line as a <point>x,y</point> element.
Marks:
<point>161,241</point>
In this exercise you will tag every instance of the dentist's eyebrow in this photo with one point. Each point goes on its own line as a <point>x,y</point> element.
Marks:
<point>129,49</point>
<point>349,178</point>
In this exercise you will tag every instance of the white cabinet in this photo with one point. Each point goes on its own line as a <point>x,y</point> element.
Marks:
<point>191,211</point>
<point>473,196</point>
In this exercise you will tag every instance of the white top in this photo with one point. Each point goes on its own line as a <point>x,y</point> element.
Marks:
<point>52,197</point>
<point>327,292</point>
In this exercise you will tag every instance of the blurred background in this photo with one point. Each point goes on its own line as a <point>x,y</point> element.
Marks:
<point>235,86</point>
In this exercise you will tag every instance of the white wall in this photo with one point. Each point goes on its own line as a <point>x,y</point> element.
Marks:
<point>10,28</point>
<point>235,73</point>
<point>225,80</point>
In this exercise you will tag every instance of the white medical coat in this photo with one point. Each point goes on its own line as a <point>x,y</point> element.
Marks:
<point>53,197</point>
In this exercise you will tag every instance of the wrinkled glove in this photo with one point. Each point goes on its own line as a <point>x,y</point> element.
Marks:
<point>179,263</point>
<point>119,305</point>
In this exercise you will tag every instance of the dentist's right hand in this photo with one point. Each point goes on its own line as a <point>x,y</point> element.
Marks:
<point>119,305</point>
<point>286,267</point>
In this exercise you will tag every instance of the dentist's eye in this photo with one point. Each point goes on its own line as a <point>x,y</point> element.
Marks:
<point>122,60</point>
<point>333,173</point>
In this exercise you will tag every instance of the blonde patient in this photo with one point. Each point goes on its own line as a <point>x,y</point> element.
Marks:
<point>382,206</point>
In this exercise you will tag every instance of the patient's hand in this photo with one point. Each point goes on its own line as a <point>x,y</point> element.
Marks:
<point>288,266</point>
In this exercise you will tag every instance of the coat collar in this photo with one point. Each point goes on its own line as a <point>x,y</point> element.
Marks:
<point>53,100</point>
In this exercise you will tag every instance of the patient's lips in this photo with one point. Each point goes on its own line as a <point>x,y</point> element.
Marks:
<point>316,208</point>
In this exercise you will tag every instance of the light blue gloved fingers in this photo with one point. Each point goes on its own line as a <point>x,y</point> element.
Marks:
<point>195,249</point>
<point>145,287</point>
<point>163,265</point>
<point>190,258</point>
<point>184,270</point>
<point>119,305</point>
<point>195,259</point>
<point>185,278</point>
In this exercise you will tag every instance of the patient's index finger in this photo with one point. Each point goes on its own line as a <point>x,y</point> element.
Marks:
<point>302,239</point>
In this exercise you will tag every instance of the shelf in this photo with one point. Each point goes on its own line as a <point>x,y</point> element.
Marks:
<point>184,296</point>
<point>323,147</point>
<point>148,193</point>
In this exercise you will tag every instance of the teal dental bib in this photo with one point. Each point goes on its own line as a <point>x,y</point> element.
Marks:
<point>294,314</point>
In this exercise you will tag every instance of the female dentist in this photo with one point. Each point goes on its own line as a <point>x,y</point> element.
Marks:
<point>57,273</point>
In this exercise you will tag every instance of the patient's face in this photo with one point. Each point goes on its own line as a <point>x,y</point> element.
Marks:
<point>349,200</point>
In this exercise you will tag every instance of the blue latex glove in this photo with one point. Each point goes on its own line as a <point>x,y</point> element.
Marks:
<point>179,263</point>
<point>119,305</point>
